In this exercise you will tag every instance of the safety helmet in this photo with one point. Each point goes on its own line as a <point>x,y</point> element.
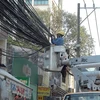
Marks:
<point>61,32</point>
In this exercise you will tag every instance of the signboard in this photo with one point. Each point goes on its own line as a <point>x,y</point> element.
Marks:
<point>18,88</point>
<point>43,91</point>
<point>24,80</point>
<point>40,97</point>
<point>22,67</point>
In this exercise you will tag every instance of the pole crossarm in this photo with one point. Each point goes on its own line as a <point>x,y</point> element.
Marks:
<point>87,16</point>
<point>94,8</point>
<point>89,8</point>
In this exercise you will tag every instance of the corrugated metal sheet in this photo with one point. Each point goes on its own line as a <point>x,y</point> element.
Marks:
<point>58,92</point>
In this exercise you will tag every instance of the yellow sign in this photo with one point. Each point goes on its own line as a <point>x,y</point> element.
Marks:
<point>40,97</point>
<point>43,91</point>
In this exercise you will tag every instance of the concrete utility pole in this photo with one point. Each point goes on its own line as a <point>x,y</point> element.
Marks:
<point>78,39</point>
<point>78,30</point>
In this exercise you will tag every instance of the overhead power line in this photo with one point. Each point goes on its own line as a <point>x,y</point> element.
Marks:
<point>8,54</point>
<point>96,23</point>
<point>87,15</point>
<point>87,18</point>
<point>20,20</point>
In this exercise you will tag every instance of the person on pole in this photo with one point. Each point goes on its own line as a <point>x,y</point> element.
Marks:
<point>59,40</point>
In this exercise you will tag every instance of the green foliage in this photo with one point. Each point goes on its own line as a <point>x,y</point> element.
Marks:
<point>86,42</point>
<point>45,16</point>
<point>56,20</point>
<point>53,20</point>
<point>67,21</point>
<point>70,27</point>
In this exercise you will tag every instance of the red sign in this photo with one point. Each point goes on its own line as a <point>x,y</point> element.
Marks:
<point>20,90</point>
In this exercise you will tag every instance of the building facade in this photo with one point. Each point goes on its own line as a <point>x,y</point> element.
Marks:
<point>3,46</point>
<point>45,4</point>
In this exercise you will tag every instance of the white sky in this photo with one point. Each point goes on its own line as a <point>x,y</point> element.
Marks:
<point>71,6</point>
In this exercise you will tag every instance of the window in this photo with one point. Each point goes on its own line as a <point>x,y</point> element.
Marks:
<point>28,1</point>
<point>40,2</point>
<point>63,79</point>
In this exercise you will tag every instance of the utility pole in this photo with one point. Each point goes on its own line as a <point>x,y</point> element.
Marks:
<point>78,30</point>
<point>78,39</point>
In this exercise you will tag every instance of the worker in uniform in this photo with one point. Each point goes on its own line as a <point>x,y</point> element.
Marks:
<point>63,71</point>
<point>59,40</point>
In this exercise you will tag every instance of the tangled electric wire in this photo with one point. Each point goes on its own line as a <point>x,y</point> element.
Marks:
<point>19,20</point>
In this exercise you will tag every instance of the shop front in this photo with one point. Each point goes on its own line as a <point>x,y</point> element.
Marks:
<point>12,89</point>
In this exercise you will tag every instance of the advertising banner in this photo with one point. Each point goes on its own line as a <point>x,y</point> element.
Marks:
<point>22,67</point>
<point>43,91</point>
<point>24,80</point>
<point>18,88</point>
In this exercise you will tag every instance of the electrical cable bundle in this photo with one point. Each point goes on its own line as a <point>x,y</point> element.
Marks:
<point>18,20</point>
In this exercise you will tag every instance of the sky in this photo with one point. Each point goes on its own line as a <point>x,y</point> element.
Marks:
<point>71,6</point>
